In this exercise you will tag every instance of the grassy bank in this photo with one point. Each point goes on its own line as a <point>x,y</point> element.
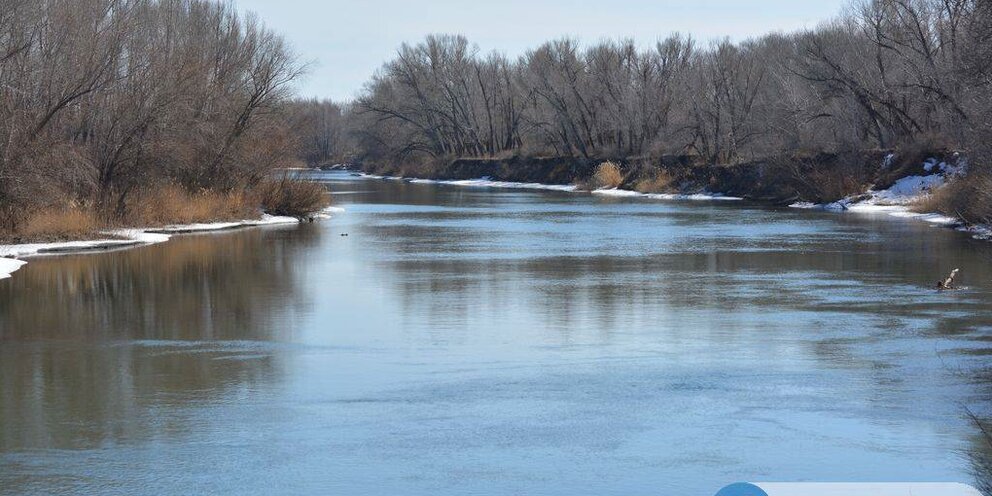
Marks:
<point>166,204</point>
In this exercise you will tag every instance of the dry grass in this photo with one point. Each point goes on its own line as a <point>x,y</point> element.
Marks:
<point>969,199</point>
<point>660,182</point>
<point>57,224</point>
<point>292,197</point>
<point>166,204</point>
<point>171,204</point>
<point>607,175</point>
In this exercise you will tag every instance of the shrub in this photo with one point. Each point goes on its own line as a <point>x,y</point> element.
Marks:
<point>607,175</point>
<point>292,197</point>
<point>969,199</point>
<point>660,182</point>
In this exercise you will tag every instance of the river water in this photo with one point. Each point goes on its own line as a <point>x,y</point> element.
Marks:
<point>490,341</point>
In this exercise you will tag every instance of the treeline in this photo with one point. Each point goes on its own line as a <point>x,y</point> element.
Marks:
<point>103,101</point>
<point>885,74</point>
<point>320,130</point>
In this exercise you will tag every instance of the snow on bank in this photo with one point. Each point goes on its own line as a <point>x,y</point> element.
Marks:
<point>665,196</point>
<point>8,266</point>
<point>265,220</point>
<point>127,238</point>
<point>898,199</point>
<point>486,182</point>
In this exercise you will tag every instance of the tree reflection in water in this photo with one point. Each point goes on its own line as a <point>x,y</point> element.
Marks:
<point>94,346</point>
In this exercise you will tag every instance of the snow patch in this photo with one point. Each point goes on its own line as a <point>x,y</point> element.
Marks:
<point>31,249</point>
<point>622,193</point>
<point>8,266</point>
<point>897,199</point>
<point>489,183</point>
<point>128,238</point>
<point>908,189</point>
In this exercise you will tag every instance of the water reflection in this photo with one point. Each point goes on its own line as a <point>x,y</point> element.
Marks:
<point>207,287</point>
<point>95,349</point>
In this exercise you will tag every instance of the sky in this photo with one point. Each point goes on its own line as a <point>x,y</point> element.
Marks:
<point>345,41</point>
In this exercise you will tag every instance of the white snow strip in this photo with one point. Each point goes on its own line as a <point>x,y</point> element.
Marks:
<point>486,182</point>
<point>694,197</point>
<point>8,266</point>
<point>31,249</point>
<point>932,218</point>
<point>269,220</point>
<point>130,238</point>
<point>483,182</point>
<point>190,228</point>
<point>624,193</point>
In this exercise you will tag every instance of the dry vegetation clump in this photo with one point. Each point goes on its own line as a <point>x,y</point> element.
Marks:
<point>172,204</point>
<point>167,204</point>
<point>821,178</point>
<point>291,197</point>
<point>56,224</point>
<point>969,199</point>
<point>659,182</point>
<point>607,175</point>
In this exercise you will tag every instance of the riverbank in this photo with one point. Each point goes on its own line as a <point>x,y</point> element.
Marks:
<point>117,239</point>
<point>869,182</point>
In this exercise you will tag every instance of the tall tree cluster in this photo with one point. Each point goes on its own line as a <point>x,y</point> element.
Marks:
<point>99,98</point>
<point>320,129</point>
<point>882,75</point>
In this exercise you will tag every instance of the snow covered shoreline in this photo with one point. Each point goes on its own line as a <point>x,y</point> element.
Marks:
<point>130,238</point>
<point>486,182</point>
<point>898,200</point>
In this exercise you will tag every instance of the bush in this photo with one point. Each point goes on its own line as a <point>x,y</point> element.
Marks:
<point>292,197</point>
<point>660,182</point>
<point>607,175</point>
<point>969,199</point>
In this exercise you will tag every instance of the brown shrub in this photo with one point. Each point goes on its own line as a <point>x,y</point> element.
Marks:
<point>291,196</point>
<point>660,182</point>
<point>969,199</point>
<point>822,178</point>
<point>171,204</point>
<point>57,224</point>
<point>607,175</point>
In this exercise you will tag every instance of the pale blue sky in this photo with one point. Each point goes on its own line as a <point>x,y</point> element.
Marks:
<point>347,40</point>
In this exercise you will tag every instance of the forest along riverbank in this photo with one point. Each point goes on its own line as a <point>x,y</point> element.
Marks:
<point>906,185</point>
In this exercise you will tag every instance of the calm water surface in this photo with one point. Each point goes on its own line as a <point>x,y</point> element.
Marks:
<point>477,341</point>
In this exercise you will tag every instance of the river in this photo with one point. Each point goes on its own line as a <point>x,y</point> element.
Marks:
<point>480,341</point>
